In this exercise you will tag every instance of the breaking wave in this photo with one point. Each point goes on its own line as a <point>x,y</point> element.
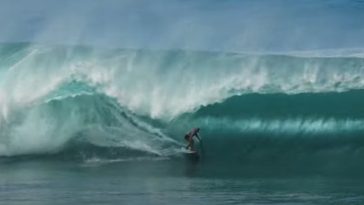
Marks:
<point>81,101</point>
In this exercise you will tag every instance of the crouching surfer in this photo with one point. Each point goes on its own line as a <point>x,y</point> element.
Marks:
<point>189,138</point>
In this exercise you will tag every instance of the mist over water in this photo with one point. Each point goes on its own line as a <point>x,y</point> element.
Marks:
<point>278,25</point>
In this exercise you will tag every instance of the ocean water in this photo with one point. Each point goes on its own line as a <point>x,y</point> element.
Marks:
<point>85,125</point>
<point>157,182</point>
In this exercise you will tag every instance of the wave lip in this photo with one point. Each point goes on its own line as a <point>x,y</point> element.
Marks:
<point>178,81</point>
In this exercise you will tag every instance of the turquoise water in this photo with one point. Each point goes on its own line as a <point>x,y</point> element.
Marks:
<point>86,125</point>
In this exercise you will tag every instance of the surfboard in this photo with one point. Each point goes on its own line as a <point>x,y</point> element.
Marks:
<point>190,154</point>
<point>188,151</point>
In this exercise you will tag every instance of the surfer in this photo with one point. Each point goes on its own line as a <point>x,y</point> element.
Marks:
<point>189,138</point>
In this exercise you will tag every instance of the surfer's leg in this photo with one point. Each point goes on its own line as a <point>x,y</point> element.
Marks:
<point>192,145</point>
<point>187,138</point>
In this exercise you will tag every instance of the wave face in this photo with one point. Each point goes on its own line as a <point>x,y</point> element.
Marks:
<point>81,101</point>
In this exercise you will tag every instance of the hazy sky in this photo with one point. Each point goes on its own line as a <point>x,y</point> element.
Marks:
<point>229,25</point>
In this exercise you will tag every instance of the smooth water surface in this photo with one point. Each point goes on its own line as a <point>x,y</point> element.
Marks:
<point>164,182</point>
